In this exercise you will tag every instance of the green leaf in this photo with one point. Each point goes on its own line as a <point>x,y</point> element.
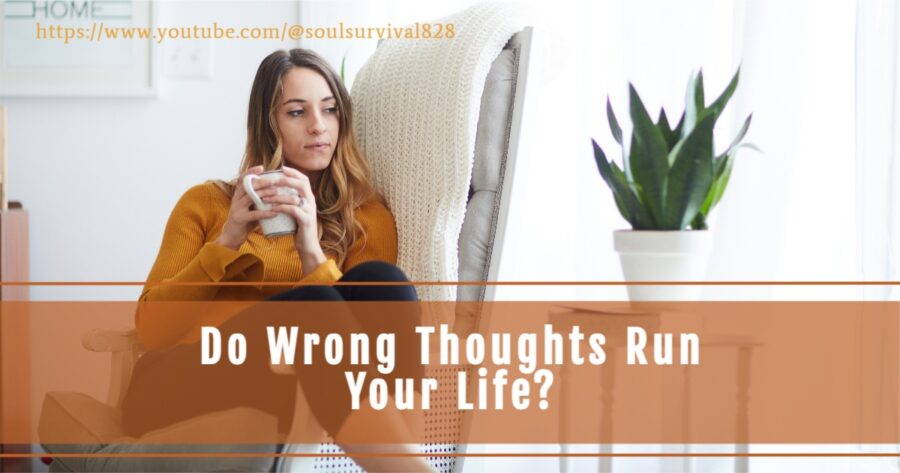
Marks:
<point>679,128</point>
<point>699,222</point>
<point>722,175</point>
<point>666,129</point>
<point>663,121</point>
<point>691,111</point>
<point>600,159</point>
<point>641,219</point>
<point>613,123</point>
<point>750,146</point>
<point>698,92</point>
<point>691,176</point>
<point>720,164</point>
<point>719,105</point>
<point>741,146</point>
<point>606,173</point>
<point>648,159</point>
<point>740,136</point>
<point>721,183</point>
<point>627,202</point>
<point>343,62</point>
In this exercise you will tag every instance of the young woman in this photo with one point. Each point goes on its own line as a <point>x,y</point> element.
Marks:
<point>299,121</point>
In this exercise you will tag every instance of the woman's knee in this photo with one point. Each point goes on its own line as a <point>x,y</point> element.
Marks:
<point>309,293</point>
<point>375,271</point>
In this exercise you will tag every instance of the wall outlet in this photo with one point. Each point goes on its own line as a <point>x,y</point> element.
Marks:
<point>189,59</point>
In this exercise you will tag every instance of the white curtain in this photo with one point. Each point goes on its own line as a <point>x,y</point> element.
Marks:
<point>820,203</point>
<point>876,147</point>
<point>789,212</point>
<point>878,183</point>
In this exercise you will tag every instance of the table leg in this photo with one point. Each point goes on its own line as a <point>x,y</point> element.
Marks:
<point>563,418</point>
<point>687,464</point>
<point>607,396</point>
<point>674,422</point>
<point>742,424</point>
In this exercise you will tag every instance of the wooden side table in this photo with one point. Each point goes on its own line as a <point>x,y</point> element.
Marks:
<point>676,409</point>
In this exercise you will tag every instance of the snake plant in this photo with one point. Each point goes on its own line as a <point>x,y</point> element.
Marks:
<point>671,177</point>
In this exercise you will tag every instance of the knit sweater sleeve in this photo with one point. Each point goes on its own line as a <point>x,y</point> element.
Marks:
<point>379,243</point>
<point>186,256</point>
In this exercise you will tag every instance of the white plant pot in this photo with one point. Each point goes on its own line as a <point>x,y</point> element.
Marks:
<point>663,256</point>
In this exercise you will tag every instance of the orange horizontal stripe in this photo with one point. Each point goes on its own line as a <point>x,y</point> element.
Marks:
<point>404,455</point>
<point>803,387</point>
<point>460,283</point>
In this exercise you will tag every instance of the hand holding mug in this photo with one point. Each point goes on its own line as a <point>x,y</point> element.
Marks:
<point>272,194</point>
<point>241,218</point>
<point>302,208</point>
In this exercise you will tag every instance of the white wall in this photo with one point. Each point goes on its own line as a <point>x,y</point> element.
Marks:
<point>100,176</point>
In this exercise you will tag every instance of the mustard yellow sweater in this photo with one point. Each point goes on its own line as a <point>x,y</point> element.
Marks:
<point>189,253</point>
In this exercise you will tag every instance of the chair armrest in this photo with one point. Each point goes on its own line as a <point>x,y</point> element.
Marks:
<point>103,340</point>
<point>125,349</point>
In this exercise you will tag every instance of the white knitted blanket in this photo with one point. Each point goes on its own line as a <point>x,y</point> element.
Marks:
<point>417,104</point>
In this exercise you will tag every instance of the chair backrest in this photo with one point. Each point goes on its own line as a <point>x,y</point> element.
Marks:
<point>496,148</point>
<point>482,233</point>
<point>484,228</point>
<point>417,110</point>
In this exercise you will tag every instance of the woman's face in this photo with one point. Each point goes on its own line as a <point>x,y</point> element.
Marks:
<point>307,118</point>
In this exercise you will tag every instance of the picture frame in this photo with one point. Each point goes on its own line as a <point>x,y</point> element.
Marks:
<point>61,48</point>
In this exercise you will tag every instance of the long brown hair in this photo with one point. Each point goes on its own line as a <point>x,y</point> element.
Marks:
<point>346,183</point>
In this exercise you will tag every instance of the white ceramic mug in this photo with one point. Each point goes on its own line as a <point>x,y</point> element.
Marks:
<point>281,224</point>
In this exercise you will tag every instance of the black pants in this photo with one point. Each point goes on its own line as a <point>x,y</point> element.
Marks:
<point>175,386</point>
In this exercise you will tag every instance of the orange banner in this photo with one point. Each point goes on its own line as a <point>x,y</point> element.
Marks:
<point>504,372</point>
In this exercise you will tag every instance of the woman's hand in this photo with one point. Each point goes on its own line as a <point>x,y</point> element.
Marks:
<point>303,208</point>
<point>241,219</point>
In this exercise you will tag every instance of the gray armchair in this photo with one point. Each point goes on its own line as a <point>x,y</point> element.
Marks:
<point>95,426</point>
